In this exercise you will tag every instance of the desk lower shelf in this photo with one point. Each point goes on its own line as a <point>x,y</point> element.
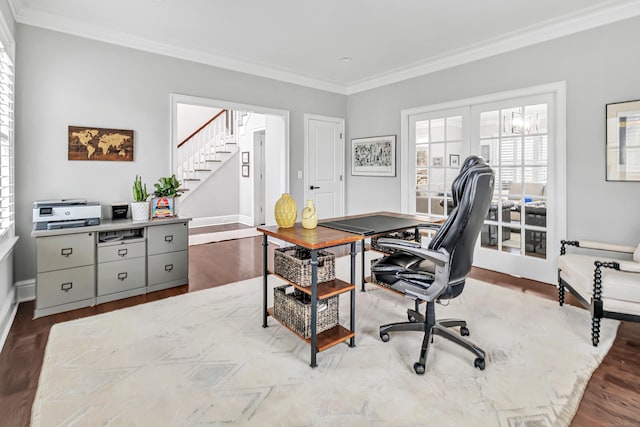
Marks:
<point>326,339</point>
<point>325,289</point>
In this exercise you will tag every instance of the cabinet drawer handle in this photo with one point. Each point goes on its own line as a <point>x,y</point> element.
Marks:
<point>168,267</point>
<point>168,238</point>
<point>122,276</point>
<point>66,286</point>
<point>122,252</point>
<point>66,251</point>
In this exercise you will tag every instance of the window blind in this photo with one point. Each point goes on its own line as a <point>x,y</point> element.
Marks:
<point>7,176</point>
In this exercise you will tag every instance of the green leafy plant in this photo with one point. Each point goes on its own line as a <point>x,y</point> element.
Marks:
<point>168,187</point>
<point>139,190</point>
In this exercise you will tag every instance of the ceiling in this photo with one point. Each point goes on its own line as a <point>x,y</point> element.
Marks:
<point>308,42</point>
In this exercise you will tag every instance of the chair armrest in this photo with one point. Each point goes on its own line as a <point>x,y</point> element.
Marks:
<point>630,266</point>
<point>591,244</point>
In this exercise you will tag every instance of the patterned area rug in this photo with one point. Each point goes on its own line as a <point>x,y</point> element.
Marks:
<point>203,359</point>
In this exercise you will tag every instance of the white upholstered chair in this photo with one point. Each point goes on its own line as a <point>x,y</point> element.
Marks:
<point>604,283</point>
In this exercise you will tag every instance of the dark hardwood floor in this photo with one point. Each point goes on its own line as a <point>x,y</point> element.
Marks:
<point>612,397</point>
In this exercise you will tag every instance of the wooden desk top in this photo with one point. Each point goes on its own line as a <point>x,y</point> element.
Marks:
<point>324,237</point>
<point>315,238</point>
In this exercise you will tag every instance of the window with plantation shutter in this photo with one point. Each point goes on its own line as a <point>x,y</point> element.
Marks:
<point>6,143</point>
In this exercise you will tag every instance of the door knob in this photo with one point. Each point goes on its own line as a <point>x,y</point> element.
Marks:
<point>314,188</point>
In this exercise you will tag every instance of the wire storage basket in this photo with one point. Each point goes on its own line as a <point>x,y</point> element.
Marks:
<point>294,264</point>
<point>293,309</point>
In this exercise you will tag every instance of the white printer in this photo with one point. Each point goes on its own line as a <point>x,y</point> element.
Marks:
<point>65,213</point>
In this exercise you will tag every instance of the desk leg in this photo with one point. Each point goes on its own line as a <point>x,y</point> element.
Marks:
<point>265,273</point>
<point>352,294</point>
<point>314,306</point>
<point>362,266</point>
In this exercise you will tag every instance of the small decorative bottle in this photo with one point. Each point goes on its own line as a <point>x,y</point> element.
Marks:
<point>309,215</point>
<point>286,211</point>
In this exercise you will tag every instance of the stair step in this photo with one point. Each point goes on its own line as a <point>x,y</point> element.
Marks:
<point>202,170</point>
<point>224,152</point>
<point>211,160</point>
<point>191,179</point>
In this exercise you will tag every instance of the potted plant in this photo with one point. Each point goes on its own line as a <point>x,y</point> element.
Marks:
<point>140,206</point>
<point>163,204</point>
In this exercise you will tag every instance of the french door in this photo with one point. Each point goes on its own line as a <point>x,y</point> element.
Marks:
<point>522,140</point>
<point>514,136</point>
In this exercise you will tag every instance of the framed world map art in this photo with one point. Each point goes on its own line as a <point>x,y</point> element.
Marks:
<point>92,143</point>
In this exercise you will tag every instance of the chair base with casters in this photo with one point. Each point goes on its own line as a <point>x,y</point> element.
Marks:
<point>607,286</point>
<point>427,324</point>
<point>430,328</point>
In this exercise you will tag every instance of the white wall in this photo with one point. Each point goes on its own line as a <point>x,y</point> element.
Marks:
<point>191,118</point>
<point>215,197</point>
<point>66,80</point>
<point>274,176</point>
<point>600,66</point>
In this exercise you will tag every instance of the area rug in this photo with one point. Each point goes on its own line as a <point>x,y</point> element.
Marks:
<point>203,358</point>
<point>201,239</point>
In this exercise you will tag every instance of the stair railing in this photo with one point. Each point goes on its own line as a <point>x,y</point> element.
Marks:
<point>201,146</point>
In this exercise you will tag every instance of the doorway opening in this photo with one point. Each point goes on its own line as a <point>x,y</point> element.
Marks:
<point>241,165</point>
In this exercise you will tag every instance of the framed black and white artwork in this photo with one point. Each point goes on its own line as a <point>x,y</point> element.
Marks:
<point>374,156</point>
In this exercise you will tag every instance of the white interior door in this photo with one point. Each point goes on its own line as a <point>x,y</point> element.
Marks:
<point>258,178</point>
<point>324,164</point>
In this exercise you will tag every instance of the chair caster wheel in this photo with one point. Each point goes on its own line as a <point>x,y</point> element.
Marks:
<point>419,368</point>
<point>384,337</point>
<point>464,331</point>
<point>479,363</point>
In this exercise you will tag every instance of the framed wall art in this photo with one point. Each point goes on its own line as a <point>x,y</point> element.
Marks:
<point>374,156</point>
<point>93,143</point>
<point>245,157</point>
<point>623,141</point>
<point>454,160</point>
<point>245,171</point>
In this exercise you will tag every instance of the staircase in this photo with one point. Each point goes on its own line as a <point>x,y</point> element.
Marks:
<point>204,152</point>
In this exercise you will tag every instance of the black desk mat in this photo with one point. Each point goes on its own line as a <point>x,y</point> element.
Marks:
<point>374,224</point>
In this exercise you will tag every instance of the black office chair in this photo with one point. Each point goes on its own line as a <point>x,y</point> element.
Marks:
<point>438,272</point>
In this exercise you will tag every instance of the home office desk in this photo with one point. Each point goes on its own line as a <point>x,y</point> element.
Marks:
<point>330,233</point>
<point>313,240</point>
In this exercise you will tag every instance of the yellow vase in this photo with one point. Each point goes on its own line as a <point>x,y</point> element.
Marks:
<point>286,211</point>
<point>309,215</point>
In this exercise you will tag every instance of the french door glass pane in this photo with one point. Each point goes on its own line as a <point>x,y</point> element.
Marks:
<point>514,140</point>
<point>438,147</point>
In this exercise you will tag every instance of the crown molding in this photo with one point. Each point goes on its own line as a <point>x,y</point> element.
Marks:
<point>103,34</point>
<point>549,30</point>
<point>610,12</point>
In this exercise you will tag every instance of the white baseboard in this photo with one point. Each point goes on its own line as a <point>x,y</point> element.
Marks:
<point>25,290</point>
<point>7,314</point>
<point>245,220</point>
<point>218,220</point>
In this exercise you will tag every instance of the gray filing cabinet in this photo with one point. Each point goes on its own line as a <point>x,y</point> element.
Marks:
<point>66,272</point>
<point>168,256</point>
<point>121,264</point>
<point>81,267</point>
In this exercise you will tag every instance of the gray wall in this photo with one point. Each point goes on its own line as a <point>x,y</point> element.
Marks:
<point>66,80</point>
<point>600,66</point>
